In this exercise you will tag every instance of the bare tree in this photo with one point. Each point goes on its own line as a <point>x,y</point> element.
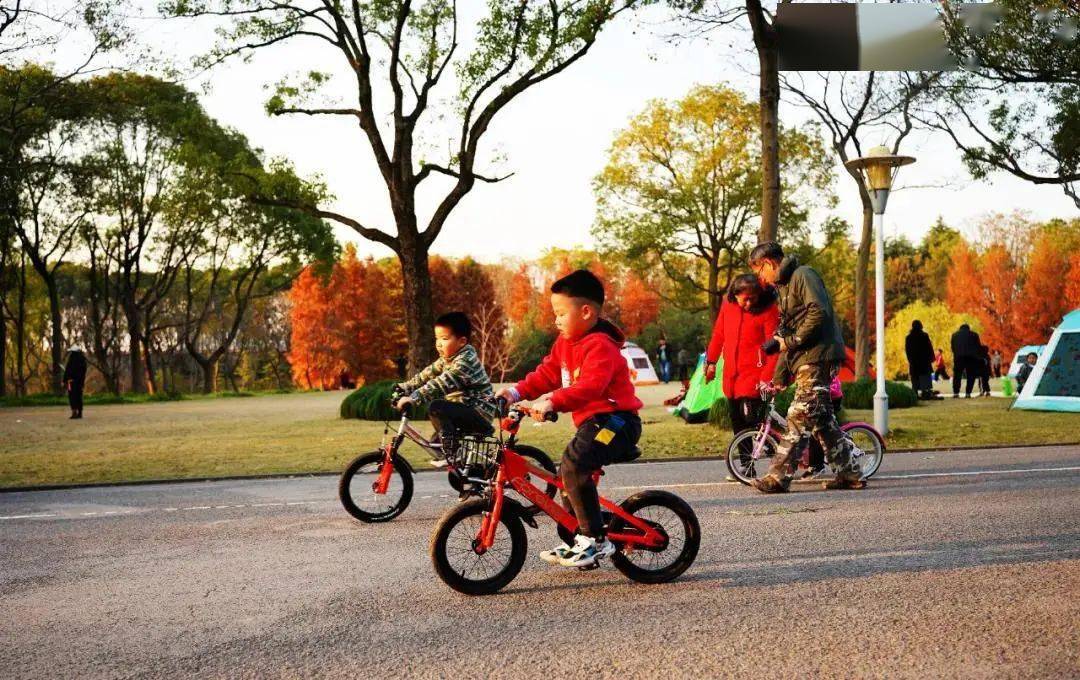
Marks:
<point>519,44</point>
<point>853,107</point>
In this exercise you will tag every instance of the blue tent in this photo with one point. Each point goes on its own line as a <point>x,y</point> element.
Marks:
<point>1054,384</point>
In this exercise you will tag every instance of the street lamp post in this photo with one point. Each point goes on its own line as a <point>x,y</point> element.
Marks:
<point>878,169</point>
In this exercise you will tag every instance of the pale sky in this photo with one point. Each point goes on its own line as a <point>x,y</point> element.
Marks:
<point>555,138</point>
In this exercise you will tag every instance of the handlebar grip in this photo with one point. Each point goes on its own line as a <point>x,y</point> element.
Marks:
<point>504,406</point>
<point>551,417</point>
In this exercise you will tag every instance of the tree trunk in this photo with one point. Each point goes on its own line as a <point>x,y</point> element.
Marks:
<point>209,369</point>
<point>715,298</point>
<point>148,361</point>
<point>57,340</point>
<point>862,291</point>
<point>769,95</point>
<point>5,251</point>
<point>20,331</point>
<point>416,280</point>
<point>135,354</point>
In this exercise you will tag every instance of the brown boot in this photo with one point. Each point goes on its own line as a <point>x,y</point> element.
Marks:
<point>770,484</point>
<point>849,480</point>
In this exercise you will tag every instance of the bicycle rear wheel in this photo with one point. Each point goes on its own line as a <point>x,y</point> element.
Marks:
<point>740,456</point>
<point>872,453</point>
<point>676,520</point>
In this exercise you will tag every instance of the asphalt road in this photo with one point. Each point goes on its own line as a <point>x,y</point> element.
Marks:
<point>961,564</point>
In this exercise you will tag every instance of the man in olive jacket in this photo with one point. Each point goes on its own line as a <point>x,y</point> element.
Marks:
<point>813,347</point>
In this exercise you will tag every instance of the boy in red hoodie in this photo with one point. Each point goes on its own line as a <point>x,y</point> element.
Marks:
<point>588,376</point>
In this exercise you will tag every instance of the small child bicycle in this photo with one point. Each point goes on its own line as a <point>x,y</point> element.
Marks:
<point>378,486</point>
<point>751,451</point>
<point>656,533</point>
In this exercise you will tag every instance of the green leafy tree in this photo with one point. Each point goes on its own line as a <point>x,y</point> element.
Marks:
<point>1015,108</point>
<point>682,188</point>
<point>395,54</point>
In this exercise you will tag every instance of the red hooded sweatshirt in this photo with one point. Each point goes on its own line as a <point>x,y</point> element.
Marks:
<point>739,334</point>
<point>589,375</point>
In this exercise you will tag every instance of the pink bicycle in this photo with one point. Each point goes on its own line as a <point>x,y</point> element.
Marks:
<point>751,451</point>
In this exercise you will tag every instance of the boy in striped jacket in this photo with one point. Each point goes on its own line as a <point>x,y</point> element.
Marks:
<point>456,387</point>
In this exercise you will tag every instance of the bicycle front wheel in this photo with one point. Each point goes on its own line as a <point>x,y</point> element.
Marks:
<point>356,488</point>
<point>462,565</point>
<point>749,456</point>
<point>868,451</point>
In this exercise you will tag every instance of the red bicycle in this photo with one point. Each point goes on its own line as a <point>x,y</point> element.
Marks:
<point>377,486</point>
<point>479,546</point>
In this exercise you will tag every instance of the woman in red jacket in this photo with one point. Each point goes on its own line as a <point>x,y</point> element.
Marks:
<point>748,317</point>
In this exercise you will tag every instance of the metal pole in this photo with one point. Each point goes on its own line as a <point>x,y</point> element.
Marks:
<point>881,399</point>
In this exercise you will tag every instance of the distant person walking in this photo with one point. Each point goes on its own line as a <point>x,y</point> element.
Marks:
<point>684,358</point>
<point>663,357</point>
<point>920,356</point>
<point>75,380</point>
<point>940,370</point>
<point>995,362</point>
<point>965,348</point>
<point>984,371</point>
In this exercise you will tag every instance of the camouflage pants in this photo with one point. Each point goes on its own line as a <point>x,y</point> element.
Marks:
<point>811,415</point>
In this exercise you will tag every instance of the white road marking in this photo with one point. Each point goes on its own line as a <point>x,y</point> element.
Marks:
<point>973,473</point>
<point>918,475</point>
<point>968,473</point>
<point>27,516</point>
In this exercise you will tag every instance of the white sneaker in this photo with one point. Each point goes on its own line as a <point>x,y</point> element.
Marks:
<point>587,551</point>
<point>556,555</point>
<point>438,463</point>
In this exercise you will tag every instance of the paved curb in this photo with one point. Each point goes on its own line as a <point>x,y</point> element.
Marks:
<point>309,475</point>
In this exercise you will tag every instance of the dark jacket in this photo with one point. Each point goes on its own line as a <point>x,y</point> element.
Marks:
<point>920,353</point>
<point>966,343</point>
<point>1022,375</point>
<point>75,370</point>
<point>807,320</point>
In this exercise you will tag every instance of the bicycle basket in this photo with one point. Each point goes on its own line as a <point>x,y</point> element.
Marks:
<point>475,455</point>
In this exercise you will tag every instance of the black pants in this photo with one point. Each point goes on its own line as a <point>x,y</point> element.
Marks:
<point>746,412</point>
<point>75,398</point>
<point>966,368</point>
<point>451,419</point>
<point>587,452</point>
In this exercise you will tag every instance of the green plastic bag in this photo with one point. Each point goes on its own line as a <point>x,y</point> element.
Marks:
<point>701,396</point>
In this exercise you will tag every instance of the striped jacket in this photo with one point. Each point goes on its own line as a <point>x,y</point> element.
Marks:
<point>460,378</point>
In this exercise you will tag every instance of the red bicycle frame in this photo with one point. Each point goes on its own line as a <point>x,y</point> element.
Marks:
<point>514,470</point>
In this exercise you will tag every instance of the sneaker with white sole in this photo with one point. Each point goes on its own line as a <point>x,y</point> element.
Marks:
<point>556,555</point>
<point>587,550</point>
<point>438,463</point>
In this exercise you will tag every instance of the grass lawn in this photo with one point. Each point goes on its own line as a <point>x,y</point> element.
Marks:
<point>298,433</point>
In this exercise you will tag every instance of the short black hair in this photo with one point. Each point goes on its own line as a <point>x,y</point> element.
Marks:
<point>580,284</point>
<point>744,283</point>
<point>1032,354</point>
<point>457,323</point>
<point>769,250</point>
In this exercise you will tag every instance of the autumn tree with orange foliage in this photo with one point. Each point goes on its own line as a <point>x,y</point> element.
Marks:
<point>350,322</point>
<point>1016,305</point>
<point>986,287</point>
<point>1072,283</point>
